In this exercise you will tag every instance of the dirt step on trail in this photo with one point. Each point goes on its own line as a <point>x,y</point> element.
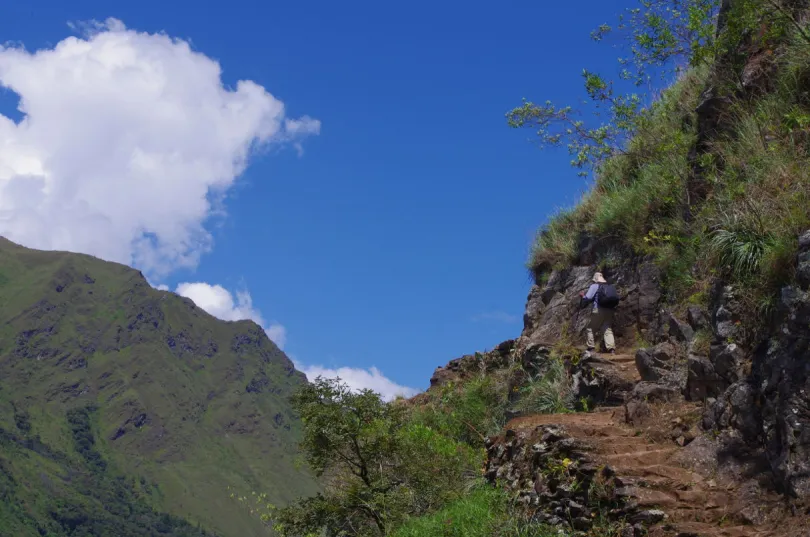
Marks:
<point>694,505</point>
<point>622,363</point>
<point>648,472</point>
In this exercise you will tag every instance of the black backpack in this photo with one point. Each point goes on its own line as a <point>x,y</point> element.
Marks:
<point>607,296</point>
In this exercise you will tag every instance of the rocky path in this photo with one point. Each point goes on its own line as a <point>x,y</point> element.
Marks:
<point>654,474</point>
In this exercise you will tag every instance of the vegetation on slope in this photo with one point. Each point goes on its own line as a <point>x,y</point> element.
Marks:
<point>731,203</point>
<point>47,493</point>
<point>117,399</point>
<point>409,466</point>
<point>701,201</point>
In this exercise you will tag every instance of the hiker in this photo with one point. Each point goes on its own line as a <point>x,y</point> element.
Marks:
<point>604,298</point>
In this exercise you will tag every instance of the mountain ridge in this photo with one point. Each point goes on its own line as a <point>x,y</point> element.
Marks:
<point>170,394</point>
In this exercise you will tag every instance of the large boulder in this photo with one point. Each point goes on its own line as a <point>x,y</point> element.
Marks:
<point>702,380</point>
<point>598,381</point>
<point>697,318</point>
<point>728,361</point>
<point>656,363</point>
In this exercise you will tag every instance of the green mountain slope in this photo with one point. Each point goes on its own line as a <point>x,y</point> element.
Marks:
<point>116,396</point>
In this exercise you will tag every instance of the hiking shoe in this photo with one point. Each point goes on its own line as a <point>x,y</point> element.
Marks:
<point>612,351</point>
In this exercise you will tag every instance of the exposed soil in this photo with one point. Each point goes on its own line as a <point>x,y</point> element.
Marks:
<point>656,471</point>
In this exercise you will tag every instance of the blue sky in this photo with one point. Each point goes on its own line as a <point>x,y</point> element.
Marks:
<point>395,235</point>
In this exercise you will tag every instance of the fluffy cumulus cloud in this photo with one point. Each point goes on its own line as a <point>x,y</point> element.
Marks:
<point>127,145</point>
<point>220,303</point>
<point>359,379</point>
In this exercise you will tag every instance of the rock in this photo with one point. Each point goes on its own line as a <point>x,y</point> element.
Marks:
<point>724,326</point>
<point>652,392</point>
<point>727,361</point>
<point>752,515</point>
<point>803,261</point>
<point>697,317</point>
<point>653,364</point>
<point>581,524</point>
<point>498,358</point>
<point>140,420</point>
<point>637,412</point>
<point>804,241</point>
<point>535,304</point>
<point>598,381</point>
<point>680,330</point>
<point>649,293</point>
<point>650,516</point>
<point>803,270</point>
<point>576,509</point>
<point>664,352</point>
<point>441,376</point>
<point>702,381</point>
<point>743,409</point>
<point>646,366</point>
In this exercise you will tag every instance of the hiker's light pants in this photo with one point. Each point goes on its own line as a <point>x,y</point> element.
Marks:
<point>601,321</point>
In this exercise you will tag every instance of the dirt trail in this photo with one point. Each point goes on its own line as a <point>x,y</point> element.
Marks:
<point>648,473</point>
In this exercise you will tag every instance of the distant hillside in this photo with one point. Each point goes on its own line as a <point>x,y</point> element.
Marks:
<point>119,402</point>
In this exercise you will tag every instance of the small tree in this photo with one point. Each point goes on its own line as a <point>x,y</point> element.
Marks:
<point>658,37</point>
<point>377,468</point>
<point>661,36</point>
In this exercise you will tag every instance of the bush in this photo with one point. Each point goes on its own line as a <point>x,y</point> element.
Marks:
<point>485,512</point>
<point>549,392</point>
<point>468,411</point>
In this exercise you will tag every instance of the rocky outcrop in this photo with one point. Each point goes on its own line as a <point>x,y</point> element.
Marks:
<point>552,309</point>
<point>480,362</point>
<point>768,409</point>
<point>600,381</point>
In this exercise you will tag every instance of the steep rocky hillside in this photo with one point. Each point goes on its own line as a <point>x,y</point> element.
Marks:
<point>699,425</point>
<point>118,400</point>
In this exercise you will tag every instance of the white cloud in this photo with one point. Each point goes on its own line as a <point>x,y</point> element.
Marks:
<point>128,145</point>
<point>220,303</point>
<point>359,379</point>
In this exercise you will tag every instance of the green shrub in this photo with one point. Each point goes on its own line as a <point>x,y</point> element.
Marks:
<point>741,250</point>
<point>555,244</point>
<point>468,411</point>
<point>549,392</point>
<point>485,512</point>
